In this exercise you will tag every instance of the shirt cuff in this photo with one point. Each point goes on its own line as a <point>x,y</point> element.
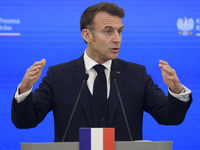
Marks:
<point>183,96</point>
<point>21,97</point>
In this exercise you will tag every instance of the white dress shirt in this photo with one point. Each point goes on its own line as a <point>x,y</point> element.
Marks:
<point>89,64</point>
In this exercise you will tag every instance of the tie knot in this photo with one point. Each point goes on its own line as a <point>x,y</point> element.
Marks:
<point>99,68</point>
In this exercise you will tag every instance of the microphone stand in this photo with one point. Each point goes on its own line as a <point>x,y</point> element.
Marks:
<point>84,80</point>
<point>113,76</point>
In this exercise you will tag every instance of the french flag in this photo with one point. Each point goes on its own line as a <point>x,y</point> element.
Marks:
<point>96,139</point>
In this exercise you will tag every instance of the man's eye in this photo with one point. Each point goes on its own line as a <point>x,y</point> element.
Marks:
<point>107,32</point>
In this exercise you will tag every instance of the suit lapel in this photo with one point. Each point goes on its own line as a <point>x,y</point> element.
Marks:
<point>114,99</point>
<point>78,74</point>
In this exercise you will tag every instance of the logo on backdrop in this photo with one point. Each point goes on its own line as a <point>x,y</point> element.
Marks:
<point>186,26</point>
<point>7,26</point>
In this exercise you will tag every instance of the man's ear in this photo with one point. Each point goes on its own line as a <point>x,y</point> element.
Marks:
<point>87,35</point>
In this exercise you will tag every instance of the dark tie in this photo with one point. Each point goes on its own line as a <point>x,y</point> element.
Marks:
<point>100,86</point>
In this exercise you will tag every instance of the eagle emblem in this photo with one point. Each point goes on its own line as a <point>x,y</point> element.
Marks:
<point>185,25</point>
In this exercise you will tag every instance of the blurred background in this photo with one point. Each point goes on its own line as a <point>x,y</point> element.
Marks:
<point>31,30</point>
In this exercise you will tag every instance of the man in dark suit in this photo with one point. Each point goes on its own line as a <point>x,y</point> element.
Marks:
<point>101,27</point>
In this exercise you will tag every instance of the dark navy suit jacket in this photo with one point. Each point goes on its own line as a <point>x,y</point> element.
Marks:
<point>59,89</point>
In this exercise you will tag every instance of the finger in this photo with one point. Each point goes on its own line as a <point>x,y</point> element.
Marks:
<point>169,70</point>
<point>43,62</point>
<point>171,78</point>
<point>162,62</point>
<point>38,65</point>
<point>165,67</point>
<point>40,62</point>
<point>161,66</point>
<point>34,72</point>
<point>34,68</point>
<point>32,77</point>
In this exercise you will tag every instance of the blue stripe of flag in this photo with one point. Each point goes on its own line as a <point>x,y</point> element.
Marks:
<point>84,139</point>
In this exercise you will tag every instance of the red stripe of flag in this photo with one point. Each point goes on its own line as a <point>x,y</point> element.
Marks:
<point>108,139</point>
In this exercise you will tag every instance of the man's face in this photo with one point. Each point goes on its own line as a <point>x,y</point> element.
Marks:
<point>106,40</point>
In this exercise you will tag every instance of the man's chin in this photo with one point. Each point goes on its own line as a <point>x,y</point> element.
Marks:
<point>114,57</point>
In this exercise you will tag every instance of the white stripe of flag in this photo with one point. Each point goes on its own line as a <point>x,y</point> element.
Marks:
<point>97,139</point>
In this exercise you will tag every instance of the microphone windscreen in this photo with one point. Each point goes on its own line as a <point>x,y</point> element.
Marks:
<point>85,77</point>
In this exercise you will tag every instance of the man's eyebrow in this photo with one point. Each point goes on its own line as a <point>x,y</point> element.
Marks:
<point>121,28</point>
<point>106,27</point>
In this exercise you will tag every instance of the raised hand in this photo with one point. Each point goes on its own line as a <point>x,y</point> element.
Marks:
<point>170,77</point>
<point>32,75</point>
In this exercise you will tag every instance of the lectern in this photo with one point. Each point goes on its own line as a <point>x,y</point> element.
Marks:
<point>119,145</point>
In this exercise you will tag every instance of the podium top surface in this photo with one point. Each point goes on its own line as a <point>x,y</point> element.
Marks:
<point>119,145</point>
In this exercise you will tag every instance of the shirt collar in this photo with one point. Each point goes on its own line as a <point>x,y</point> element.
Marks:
<point>90,63</point>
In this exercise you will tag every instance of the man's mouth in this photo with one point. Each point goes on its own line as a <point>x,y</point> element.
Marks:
<point>116,49</point>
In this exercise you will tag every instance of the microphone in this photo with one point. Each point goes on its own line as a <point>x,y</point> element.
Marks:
<point>85,77</point>
<point>113,76</point>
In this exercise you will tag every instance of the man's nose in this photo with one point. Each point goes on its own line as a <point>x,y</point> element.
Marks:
<point>117,37</point>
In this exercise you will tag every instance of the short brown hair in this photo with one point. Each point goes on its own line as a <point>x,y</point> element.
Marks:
<point>89,14</point>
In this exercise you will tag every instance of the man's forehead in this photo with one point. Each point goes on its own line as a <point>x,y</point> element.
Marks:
<point>105,20</point>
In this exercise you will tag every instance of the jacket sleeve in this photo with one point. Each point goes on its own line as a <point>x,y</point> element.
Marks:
<point>35,107</point>
<point>166,110</point>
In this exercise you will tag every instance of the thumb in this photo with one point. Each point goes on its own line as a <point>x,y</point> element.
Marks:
<point>43,62</point>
